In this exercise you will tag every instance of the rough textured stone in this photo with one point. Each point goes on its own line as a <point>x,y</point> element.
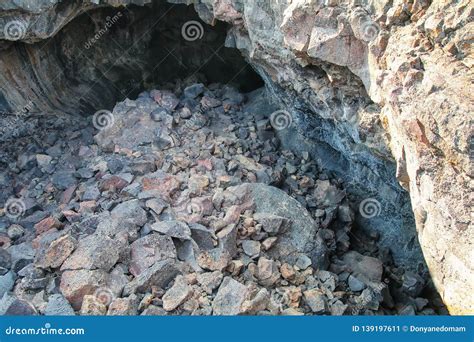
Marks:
<point>366,269</point>
<point>58,306</point>
<point>316,300</point>
<point>94,252</point>
<point>78,283</point>
<point>6,282</point>
<point>300,236</point>
<point>123,307</point>
<point>52,254</point>
<point>229,298</point>
<point>160,274</point>
<point>329,63</point>
<point>177,294</point>
<point>175,229</point>
<point>148,250</point>
<point>92,307</point>
<point>210,280</point>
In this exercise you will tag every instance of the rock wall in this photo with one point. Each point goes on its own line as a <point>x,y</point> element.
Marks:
<point>363,81</point>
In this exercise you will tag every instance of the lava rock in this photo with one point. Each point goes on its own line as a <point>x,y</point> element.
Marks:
<point>194,90</point>
<point>177,294</point>
<point>175,229</point>
<point>94,252</point>
<point>148,250</point>
<point>160,274</point>
<point>229,298</point>
<point>78,283</point>
<point>58,306</point>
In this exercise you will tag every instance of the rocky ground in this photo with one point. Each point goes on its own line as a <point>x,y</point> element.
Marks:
<point>182,203</point>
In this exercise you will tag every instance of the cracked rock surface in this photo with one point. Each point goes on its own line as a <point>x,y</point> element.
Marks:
<point>202,215</point>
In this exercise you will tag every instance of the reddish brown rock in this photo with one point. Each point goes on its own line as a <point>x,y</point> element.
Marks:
<point>53,254</point>
<point>79,283</point>
<point>113,183</point>
<point>47,224</point>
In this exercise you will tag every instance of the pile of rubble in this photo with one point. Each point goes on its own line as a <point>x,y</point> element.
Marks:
<point>182,202</point>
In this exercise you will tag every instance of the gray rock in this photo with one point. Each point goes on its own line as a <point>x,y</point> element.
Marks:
<point>157,205</point>
<point>94,252</point>
<point>175,229</point>
<point>303,262</point>
<point>194,90</point>
<point>12,306</point>
<point>203,237</point>
<point>85,173</point>
<point>251,248</point>
<point>148,250</point>
<point>58,306</point>
<point>365,268</point>
<point>5,261</point>
<point>177,294</point>
<point>91,193</point>
<point>160,274</point>
<point>63,179</point>
<point>272,224</point>
<point>229,298</point>
<point>21,255</point>
<point>413,284</point>
<point>316,300</point>
<point>188,251</point>
<point>300,236</point>
<point>257,303</point>
<point>15,231</point>
<point>355,284</point>
<point>219,257</point>
<point>407,310</point>
<point>369,299</point>
<point>130,212</point>
<point>209,281</point>
<point>6,282</point>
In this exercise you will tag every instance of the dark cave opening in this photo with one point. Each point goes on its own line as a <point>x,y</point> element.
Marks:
<point>108,54</point>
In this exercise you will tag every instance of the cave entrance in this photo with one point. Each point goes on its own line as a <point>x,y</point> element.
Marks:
<point>108,54</point>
